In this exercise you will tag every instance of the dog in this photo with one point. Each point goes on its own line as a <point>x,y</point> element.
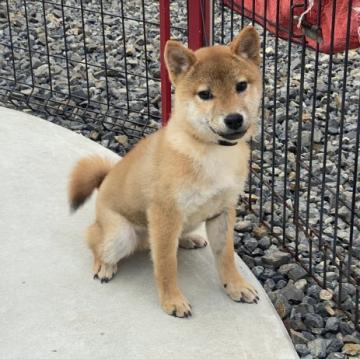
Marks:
<point>190,171</point>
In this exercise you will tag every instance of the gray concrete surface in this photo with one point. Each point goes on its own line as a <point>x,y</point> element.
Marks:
<point>52,308</point>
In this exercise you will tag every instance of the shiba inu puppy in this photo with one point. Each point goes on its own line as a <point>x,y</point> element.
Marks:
<point>190,171</point>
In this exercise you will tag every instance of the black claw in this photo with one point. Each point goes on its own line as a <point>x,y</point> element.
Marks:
<point>173,313</point>
<point>190,314</point>
<point>185,315</point>
<point>96,276</point>
<point>205,244</point>
<point>225,285</point>
<point>257,298</point>
<point>104,280</point>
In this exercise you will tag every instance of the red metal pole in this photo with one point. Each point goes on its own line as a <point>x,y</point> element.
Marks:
<point>165,82</point>
<point>195,33</point>
<point>208,10</point>
<point>199,22</point>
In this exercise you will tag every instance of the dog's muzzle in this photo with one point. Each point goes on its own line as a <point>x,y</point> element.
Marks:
<point>229,139</point>
<point>232,136</point>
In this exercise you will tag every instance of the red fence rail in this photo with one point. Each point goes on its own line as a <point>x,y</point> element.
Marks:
<point>165,82</point>
<point>199,23</point>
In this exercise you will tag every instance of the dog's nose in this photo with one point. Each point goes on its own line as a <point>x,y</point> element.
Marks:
<point>234,121</point>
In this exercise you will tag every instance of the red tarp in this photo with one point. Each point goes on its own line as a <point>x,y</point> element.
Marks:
<point>310,18</point>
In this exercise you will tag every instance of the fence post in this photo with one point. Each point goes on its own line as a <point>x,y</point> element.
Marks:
<point>165,82</point>
<point>199,34</point>
<point>199,23</point>
<point>208,22</point>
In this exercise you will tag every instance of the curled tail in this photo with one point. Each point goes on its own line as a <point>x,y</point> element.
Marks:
<point>87,175</point>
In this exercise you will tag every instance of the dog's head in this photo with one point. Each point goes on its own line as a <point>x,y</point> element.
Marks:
<point>218,88</point>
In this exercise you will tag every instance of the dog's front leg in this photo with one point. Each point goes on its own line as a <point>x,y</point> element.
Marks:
<point>220,234</point>
<point>165,226</point>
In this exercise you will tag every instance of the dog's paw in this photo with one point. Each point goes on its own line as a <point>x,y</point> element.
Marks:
<point>241,291</point>
<point>192,241</point>
<point>103,271</point>
<point>177,306</point>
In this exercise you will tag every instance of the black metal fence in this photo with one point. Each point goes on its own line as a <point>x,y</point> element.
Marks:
<point>93,66</point>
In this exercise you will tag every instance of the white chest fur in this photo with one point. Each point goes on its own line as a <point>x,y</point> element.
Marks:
<point>218,176</point>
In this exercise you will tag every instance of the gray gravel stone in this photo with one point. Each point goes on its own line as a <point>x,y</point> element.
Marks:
<point>332,324</point>
<point>243,226</point>
<point>282,305</point>
<point>313,320</point>
<point>291,293</point>
<point>264,243</point>
<point>251,244</point>
<point>313,290</point>
<point>348,304</point>
<point>293,270</point>
<point>42,70</point>
<point>301,284</point>
<point>297,324</point>
<point>269,285</point>
<point>351,339</point>
<point>335,345</point>
<point>302,349</point>
<point>302,309</point>
<point>281,284</point>
<point>249,261</point>
<point>346,328</point>
<point>258,270</point>
<point>276,258</point>
<point>308,335</point>
<point>297,337</point>
<point>317,348</point>
<point>347,289</point>
<point>336,356</point>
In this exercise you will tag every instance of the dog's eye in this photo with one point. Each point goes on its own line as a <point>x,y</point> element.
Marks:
<point>241,86</point>
<point>205,95</point>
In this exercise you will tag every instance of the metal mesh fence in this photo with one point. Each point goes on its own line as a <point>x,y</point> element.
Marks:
<point>92,66</point>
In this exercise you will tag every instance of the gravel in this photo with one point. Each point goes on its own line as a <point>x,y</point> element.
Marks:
<point>317,327</point>
<point>293,270</point>
<point>317,348</point>
<point>102,109</point>
<point>332,324</point>
<point>275,258</point>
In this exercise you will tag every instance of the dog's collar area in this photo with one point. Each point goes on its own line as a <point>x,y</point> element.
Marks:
<point>226,143</point>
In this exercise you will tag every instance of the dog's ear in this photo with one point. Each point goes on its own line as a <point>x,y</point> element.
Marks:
<point>247,44</point>
<point>178,59</point>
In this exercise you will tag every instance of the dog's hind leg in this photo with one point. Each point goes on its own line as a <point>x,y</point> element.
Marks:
<point>110,239</point>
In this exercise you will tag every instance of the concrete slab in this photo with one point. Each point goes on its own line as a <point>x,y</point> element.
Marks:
<point>52,308</point>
